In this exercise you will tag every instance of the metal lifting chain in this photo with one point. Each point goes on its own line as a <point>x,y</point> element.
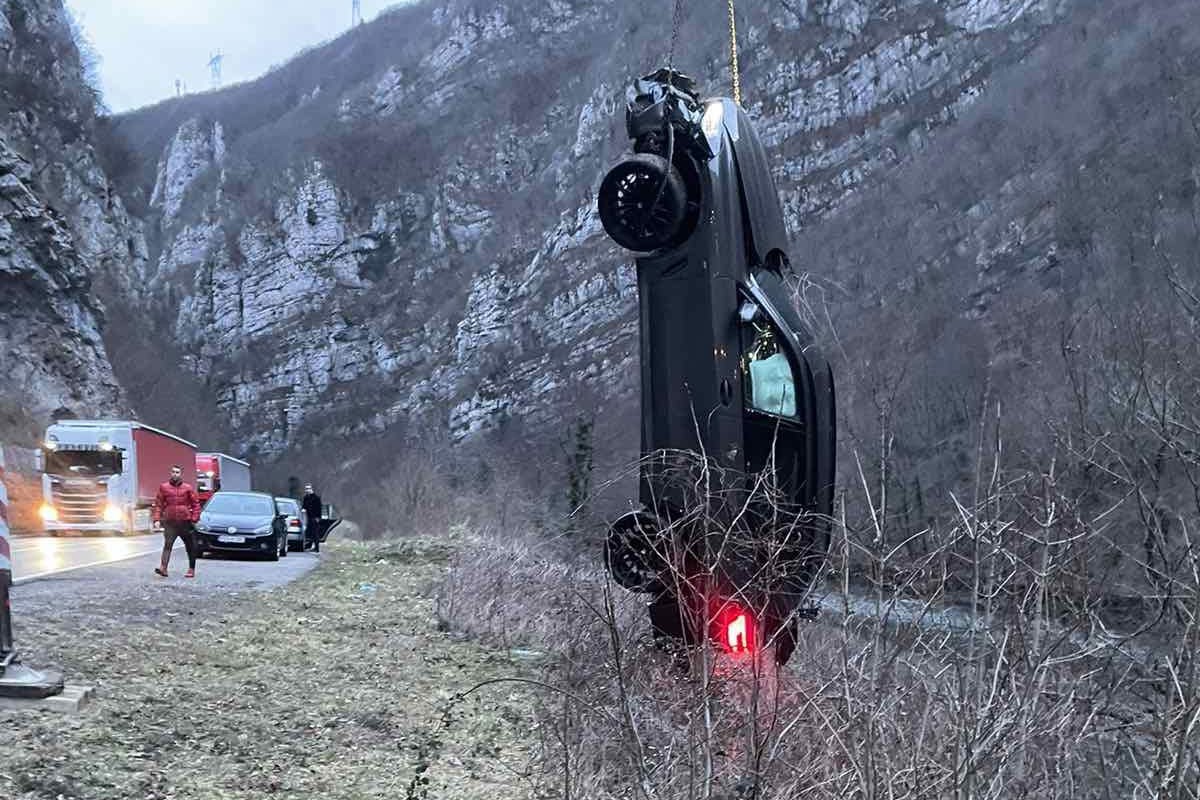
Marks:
<point>676,16</point>
<point>733,56</point>
<point>734,68</point>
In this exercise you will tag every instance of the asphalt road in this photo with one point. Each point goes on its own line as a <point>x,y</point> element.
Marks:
<point>37,557</point>
<point>67,561</point>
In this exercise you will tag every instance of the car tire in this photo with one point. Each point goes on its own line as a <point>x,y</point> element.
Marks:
<point>643,203</point>
<point>633,554</point>
<point>274,554</point>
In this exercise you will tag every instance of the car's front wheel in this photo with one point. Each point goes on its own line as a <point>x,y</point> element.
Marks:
<point>643,202</point>
<point>274,554</point>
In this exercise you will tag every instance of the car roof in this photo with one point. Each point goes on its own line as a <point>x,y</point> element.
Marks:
<point>224,493</point>
<point>287,500</point>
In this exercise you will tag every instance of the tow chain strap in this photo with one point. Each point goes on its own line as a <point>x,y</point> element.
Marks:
<point>733,56</point>
<point>675,19</point>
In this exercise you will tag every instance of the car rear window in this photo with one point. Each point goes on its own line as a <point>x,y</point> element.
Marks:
<point>287,506</point>
<point>239,504</point>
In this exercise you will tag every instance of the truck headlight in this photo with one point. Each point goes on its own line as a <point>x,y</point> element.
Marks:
<point>113,513</point>
<point>48,513</point>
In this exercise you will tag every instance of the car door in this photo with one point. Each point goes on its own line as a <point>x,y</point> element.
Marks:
<point>777,400</point>
<point>328,522</point>
<point>789,427</point>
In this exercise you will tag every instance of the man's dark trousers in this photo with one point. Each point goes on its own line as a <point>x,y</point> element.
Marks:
<point>184,530</point>
<point>313,532</point>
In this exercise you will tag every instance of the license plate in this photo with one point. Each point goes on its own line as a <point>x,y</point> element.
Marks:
<point>233,539</point>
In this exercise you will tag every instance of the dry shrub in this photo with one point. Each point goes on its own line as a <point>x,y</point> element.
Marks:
<point>898,691</point>
<point>406,485</point>
<point>24,499</point>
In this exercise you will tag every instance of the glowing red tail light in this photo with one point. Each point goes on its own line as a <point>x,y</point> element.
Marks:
<point>734,629</point>
<point>737,634</point>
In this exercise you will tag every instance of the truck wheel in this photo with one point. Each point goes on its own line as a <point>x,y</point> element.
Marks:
<point>643,202</point>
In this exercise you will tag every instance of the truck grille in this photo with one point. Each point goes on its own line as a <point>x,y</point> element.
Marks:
<point>79,504</point>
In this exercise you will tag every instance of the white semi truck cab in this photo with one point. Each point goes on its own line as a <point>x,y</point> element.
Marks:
<point>101,476</point>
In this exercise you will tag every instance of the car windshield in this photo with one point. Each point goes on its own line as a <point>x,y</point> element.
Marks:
<point>287,507</point>
<point>240,504</point>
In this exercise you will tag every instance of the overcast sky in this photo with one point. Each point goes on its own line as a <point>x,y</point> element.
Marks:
<point>145,45</point>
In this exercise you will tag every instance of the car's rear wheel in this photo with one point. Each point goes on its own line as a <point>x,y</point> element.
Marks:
<point>643,202</point>
<point>635,554</point>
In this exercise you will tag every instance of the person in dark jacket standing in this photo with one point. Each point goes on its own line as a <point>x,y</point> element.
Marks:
<point>312,509</point>
<point>176,510</point>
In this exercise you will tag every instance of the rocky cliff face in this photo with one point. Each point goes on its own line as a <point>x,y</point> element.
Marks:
<point>428,246</point>
<point>61,222</point>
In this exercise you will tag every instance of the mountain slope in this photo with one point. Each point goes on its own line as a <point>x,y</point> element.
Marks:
<point>399,225</point>
<point>61,224</point>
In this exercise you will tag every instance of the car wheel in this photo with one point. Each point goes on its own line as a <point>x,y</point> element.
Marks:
<point>283,549</point>
<point>643,202</point>
<point>274,554</point>
<point>635,553</point>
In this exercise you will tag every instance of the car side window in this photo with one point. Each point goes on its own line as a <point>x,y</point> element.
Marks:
<point>768,380</point>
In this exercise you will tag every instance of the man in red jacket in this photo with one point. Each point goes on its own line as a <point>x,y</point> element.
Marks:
<point>176,509</point>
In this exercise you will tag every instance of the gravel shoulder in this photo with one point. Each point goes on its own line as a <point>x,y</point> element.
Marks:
<point>335,685</point>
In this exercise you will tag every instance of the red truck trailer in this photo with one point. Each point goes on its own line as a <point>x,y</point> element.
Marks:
<point>217,471</point>
<point>102,475</point>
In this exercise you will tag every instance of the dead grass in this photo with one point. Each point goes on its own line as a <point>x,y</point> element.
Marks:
<point>888,695</point>
<point>338,686</point>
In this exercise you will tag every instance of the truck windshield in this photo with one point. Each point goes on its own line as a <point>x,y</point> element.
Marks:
<point>240,504</point>
<point>90,463</point>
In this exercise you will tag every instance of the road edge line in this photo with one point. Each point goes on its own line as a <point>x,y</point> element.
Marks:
<point>42,575</point>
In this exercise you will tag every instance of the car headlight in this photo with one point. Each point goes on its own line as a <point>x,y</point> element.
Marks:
<point>263,529</point>
<point>48,513</point>
<point>113,513</point>
<point>201,527</point>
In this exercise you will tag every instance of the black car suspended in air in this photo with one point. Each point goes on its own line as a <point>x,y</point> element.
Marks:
<point>738,428</point>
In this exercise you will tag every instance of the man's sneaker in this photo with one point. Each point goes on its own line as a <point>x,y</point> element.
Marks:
<point>159,571</point>
<point>191,573</point>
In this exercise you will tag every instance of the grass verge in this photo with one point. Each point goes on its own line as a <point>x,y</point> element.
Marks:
<point>337,686</point>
